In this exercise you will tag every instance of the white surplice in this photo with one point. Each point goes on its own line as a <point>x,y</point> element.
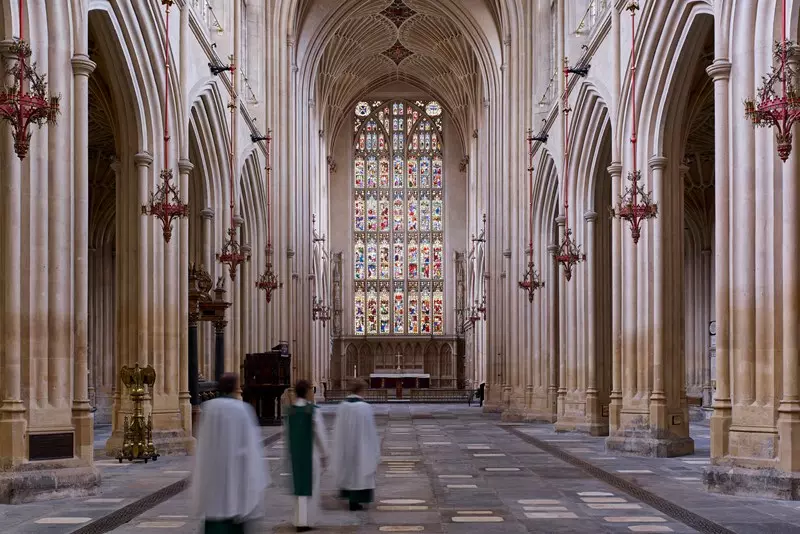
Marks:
<point>306,509</point>
<point>230,474</point>
<point>356,446</point>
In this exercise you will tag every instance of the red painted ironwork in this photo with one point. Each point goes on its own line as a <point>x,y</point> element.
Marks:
<point>268,281</point>
<point>21,107</point>
<point>635,205</point>
<point>780,111</point>
<point>568,253</point>
<point>165,203</point>
<point>530,281</point>
<point>232,254</point>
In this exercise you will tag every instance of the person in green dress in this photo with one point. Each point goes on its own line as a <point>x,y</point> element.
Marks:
<point>307,452</point>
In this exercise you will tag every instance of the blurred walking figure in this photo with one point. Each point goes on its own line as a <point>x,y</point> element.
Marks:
<point>357,449</point>
<point>307,452</point>
<point>230,475</point>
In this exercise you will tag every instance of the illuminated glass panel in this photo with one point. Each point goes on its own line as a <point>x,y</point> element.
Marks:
<point>398,219</point>
<point>359,312</point>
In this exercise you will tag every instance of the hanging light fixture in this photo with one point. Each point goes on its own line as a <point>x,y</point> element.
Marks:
<point>165,203</point>
<point>268,281</point>
<point>478,310</point>
<point>232,254</point>
<point>531,281</point>
<point>319,310</point>
<point>568,253</point>
<point>20,106</point>
<point>773,110</point>
<point>635,205</point>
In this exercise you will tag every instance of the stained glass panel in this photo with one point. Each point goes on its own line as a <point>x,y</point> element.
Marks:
<point>399,311</point>
<point>372,312</point>
<point>383,212</point>
<point>359,312</point>
<point>358,179</point>
<point>438,312</point>
<point>358,253</point>
<point>358,214</point>
<point>425,312</point>
<point>372,213</point>
<point>398,219</point>
<point>425,258</point>
<point>372,172</point>
<point>413,259</point>
<point>437,260</point>
<point>372,259</point>
<point>384,263</point>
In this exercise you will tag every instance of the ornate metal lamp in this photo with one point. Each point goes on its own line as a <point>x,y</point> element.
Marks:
<point>320,311</point>
<point>232,254</point>
<point>772,109</point>
<point>530,281</point>
<point>165,203</point>
<point>635,205</point>
<point>569,254</point>
<point>20,106</point>
<point>268,281</point>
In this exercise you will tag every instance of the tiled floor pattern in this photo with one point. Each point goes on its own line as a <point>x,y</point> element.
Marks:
<point>451,469</point>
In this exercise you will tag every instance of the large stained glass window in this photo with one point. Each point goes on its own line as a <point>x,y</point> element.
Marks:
<point>398,224</point>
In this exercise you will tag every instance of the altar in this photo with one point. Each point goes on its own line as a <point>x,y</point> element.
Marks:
<point>410,379</point>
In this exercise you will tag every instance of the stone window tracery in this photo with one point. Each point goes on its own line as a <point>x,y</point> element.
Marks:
<point>398,224</point>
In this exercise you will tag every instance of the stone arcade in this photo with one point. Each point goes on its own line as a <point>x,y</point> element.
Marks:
<point>397,207</point>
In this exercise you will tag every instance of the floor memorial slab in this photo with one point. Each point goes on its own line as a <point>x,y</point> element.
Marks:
<point>649,528</point>
<point>551,515</point>
<point>635,519</point>
<point>402,528</point>
<point>161,524</point>
<point>62,520</point>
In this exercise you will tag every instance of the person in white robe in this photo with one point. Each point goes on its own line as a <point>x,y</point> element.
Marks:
<point>230,474</point>
<point>306,454</point>
<point>357,449</point>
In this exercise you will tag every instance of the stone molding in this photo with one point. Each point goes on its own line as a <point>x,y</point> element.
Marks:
<point>143,159</point>
<point>82,65</point>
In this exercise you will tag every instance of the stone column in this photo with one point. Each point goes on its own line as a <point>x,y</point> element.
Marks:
<point>708,265</point>
<point>720,71</point>
<point>789,408</point>
<point>82,67</point>
<point>246,286</point>
<point>13,420</point>
<point>615,399</point>
<point>205,331</point>
<point>658,397</point>
<point>554,366</point>
<point>561,338</point>
<point>219,349</point>
<point>594,413</point>
<point>143,161</point>
<point>184,168</point>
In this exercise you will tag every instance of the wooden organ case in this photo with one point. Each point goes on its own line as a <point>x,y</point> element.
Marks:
<point>266,376</point>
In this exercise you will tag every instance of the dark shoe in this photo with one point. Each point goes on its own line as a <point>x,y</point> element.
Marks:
<point>303,529</point>
<point>355,507</point>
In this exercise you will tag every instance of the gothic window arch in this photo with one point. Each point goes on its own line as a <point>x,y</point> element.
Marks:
<point>398,219</point>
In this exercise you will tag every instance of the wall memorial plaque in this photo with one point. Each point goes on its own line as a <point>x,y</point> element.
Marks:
<point>56,446</point>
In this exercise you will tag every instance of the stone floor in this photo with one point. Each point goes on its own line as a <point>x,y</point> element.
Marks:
<point>451,469</point>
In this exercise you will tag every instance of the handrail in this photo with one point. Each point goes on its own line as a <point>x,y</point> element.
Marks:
<point>205,11</point>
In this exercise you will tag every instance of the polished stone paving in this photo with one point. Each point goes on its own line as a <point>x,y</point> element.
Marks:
<point>449,469</point>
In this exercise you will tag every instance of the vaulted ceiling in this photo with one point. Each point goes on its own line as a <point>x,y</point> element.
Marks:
<point>412,41</point>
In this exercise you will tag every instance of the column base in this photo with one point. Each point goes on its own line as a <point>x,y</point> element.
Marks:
<point>167,442</point>
<point>768,483</point>
<point>644,443</point>
<point>48,480</point>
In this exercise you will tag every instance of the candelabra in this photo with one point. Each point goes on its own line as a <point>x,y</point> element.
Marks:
<point>232,254</point>
<point>569,254</point>
<point>321,312</point>
<point>165,204</point>
<point>477,311</point>
<point>635,205</point>
<point>22,107</point>
<point>268,281</point>
<point>774,109</point>
<point>530,282</point>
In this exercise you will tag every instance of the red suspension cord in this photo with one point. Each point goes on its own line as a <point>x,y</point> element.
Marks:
<point>269,190</point>
<point>566,148</point>
<point>233,106</point>
<point>634,125</point>
<point>783,51</point>
<point>166,93</point>
<point>21,25</point>
<point>530,189</point>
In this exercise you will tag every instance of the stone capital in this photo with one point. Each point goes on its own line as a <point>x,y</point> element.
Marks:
<point>706,252</point>
<point>658,163</point>
<point>720,69</point>
<point>207,214</point>
<point>116,165</point>
<point>552,249</point>
<point>506,253</point>
<point>180,3</point>
<point>247,249</point>
<point>561,220</point>
<point>590,216</point>
<point>82,65</point>
<point>615,169</point>
<point>185,166</point>
<point>238,221</point>
<point>5,48</point>
<point>143,159</point>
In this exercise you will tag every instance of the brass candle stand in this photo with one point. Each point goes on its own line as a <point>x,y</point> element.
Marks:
<point>138,432</point>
